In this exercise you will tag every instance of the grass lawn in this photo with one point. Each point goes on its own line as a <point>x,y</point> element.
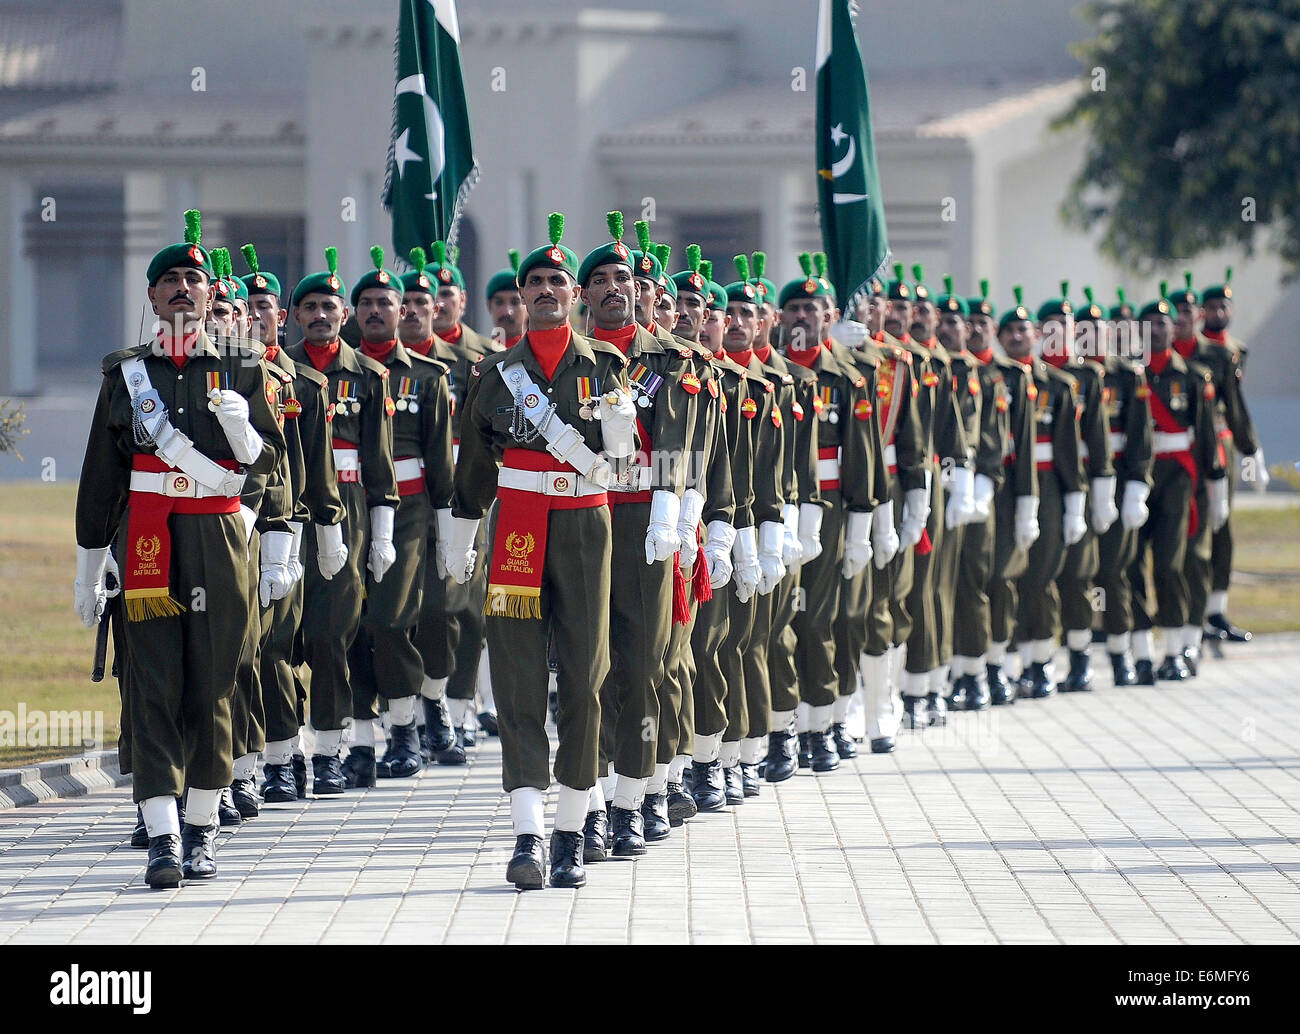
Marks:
<point>46,653</point>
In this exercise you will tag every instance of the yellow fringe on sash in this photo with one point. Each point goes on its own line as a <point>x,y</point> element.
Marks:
<point>513,601</point>
<point>144,604</point>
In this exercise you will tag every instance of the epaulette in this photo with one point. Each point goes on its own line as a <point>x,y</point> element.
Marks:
<point>284,376</point>
<point>481,366</point>
<point>416,359</point>
<point>310,373</point>
<point>372,365</point>
<point>115,359</point>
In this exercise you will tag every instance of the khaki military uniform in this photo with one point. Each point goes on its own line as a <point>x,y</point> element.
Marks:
<point>1020,479</point>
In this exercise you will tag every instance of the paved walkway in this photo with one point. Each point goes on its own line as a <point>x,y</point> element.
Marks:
<point>1139,815</point>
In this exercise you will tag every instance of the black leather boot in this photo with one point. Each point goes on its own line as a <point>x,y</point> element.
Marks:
<point>164,868</point>
<point>843,742</point>
<point>710,789</point>
<point>1144,674</point>
<point>327,775</point>
<point>734,784</point>
<point>805,750</point>
<point>279,787</point>
<point>977,693</point>
<point>359,768</point>
<point>594,834</point>
<point>453,755</point>
<point>681,805</point>
<point>227,813</point>
<point>654,817</point>
<point>199,851</point>
<point>782,755</point>
<point>1173,669</point>
<point>244,794</point>
<point>916,713</point>
<point>749,779</point>
<point>937,707</point>
<point>1228,632</point>
<point>824,758</point>
<point>1034,683</point>
<point>527,867</point>
<point>488,720</point>
<point>438,733</point>
<point>403,754</point>
<point>959,698</point>
<point>1001,689</point>
<point>1079,680</point>
<point>1121,667</point>
<point>628,829</point>
<point>566,859</point>
<point>1190,661</point>
<point>139,835</point>
<point>299,764</point>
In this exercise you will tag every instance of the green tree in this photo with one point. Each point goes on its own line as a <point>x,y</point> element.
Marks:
<point>1194,129</point>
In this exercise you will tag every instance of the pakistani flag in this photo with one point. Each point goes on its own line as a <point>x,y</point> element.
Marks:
<point>848,183</point>
<point>431,167</point>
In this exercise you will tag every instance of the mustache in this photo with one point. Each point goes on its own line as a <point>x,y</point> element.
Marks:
<point>181,297</point>
<point>374,319</point>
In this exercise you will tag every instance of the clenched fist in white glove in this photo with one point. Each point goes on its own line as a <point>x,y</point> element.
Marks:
<point>331,550</point>
<point>295,552</point>
<point>916,511</point>
<point>688,525</point>
<point>850,333</point>
<point>1026,521</point>
<point>1104,513</point>
<point>276,578</point>
<point>618,424</point>
<point>89,593</point>
<point>857,544</point>
<point>461,554</point>
<point>771,569</point>
<point>1134,513</point>
<point>791,548</point>
<point>1073,523</point>
<point>382,554</point>
<point>661,539</point>
<point>960,508</point>
<point>983,497</point>
<point>232,414</point>
<point>744,554</point>
<point>884,539</point>
<point>810,531</point>
<point>717,553</point>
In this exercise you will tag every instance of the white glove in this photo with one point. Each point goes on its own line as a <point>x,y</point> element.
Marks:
<point>1261,479</point>
<point>983,497</point>
<point>1073,523</point>
<point>295,552</point>
<point>960,508</point>
<point>717,553</point>
<point>382,554</point>
<point>461,553</point>
<point>232,414</point>
<point>1135,513</point>
<point>1218,493</point>
<point>810,531</point>
<point>331,550</point>
<point>791,547</point>
<point>661,538</point>
<point>771,540</point>
<point>916,511</point>
<point>857,543</point>
<point>688,525</point>
<point>276,578</point>
<point>1026,521</point>
<point>442,522</point>
<point>88,592</point>
<point>849,332</point>
<point>744,554</point>
<point>618,424</point>
<point>1104,513</point>
<point>884,539</point>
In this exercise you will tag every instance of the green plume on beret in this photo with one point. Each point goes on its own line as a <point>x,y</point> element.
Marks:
<point>250,257</point>
<point>664,252</point>
<point>513,253</point>
<point>984,288</point>
<point>693,254</point>
<point>759,263</point>
<point>614,220</point>
<point>706,269</point>
<point>642,235</point>
<point>1119,293</point>
<point>918,274</point>
<point>193,226</point>
<point>947,283</point>
<point>377,256</point>
<point>742,266</point>
<point>1087,293</point>
<point>898,271</point>
<point>805,263</point>
<point>439,252</point>
<point>1065,288</point>
<point>1019,292</point>
<point>1187,276</point>
<point>555,226</point>
<point>1227,275</point>
<point>332,259</point>
<point>225,262</point>
<point>418,259</point>
<point>819,263</point>
<point>1164,288</point>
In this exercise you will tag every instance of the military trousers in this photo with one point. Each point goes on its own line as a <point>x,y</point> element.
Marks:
<point>1198,568</point>
<point>575,613</point>
<point>703,664</point>
<point>280,700</point>
<point>735,645</point>
<point>1165,536</point>
<point>1082,561</point>
<point>247,717</point>
<point>1221,549</point>
<point>783,680</point>
<point>673,692</point>
<point>450,632</point>
<point>850,628</point>
<point>1116,551</point>
<point>1039,613</point>
<point>972,618</point>
<point>814,626</point>
<point>923,640</point>
<point>888,622</point>
<point>1009,563</point>
<point>948,553</point>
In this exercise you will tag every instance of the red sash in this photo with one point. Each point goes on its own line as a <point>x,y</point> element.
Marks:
<point>147,566</point>
<point>519,549</point>
<point>1164,421</point>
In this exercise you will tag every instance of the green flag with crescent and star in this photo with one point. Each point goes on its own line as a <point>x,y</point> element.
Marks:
<point>851,208</point>
<point>431,167</point>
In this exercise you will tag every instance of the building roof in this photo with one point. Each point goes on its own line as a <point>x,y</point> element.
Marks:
<point>58,45</point>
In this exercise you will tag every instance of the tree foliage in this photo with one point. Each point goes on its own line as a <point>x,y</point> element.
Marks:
<point>1195,133</point>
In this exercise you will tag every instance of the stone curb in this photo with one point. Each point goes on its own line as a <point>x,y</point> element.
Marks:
<point>63,777</point>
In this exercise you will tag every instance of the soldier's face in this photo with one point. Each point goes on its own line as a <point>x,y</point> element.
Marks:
<point>766,320</point>
<point>875,315</point>
<point>1218,314</point>
<point>714,330</point>
<point>691,310</point>
<point>549,296</point>
<point>222,318</point>
<point>1160,330</point>
<point>924,318</point>
<point>742,326</point>
<point>450,308</point>
<point>378,313</point>
<point>666,311</point>
<point>647,295</point>
<point>1188,317</point>
<point>610,295</point>
<point>182,298</point>
<point>953,332</point>
<point>417,317</point>
<point>1057,336</point>
<point>268,318</point>
<point>1018,339</point>
<point>804,322</point>
<point>320,316</point>
<point>982,331</point>
<point>507,311</point>
<point>898,316</point>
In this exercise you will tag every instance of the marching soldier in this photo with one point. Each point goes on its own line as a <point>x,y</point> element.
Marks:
<point>1182,396</point>
<point>545,408</point>
<point>362,441</point>
<point>178,430</point>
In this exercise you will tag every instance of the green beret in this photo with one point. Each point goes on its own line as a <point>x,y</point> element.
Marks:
<point>758,263</point>
<point>1223,290</point>
<point>690,278</point>
<point>919,291</point>
<point>744,289</point>
<point>441,270</point>
<point>552,256</point>
<point>898,289</point>
<point>645,261</point>
<point>188,253</point>
<point>1159,307</point>
<point>662,253</point>
<point>1019,312</point>
<point>1057,306</point>
<point>255,280</point>
<point>418,278</point>
<point>377,277</point>
<point>980,305</point>
<point>949,302</point>
<point>504,279</point>
<point>1092,312</point>
<point>614,251</point>
<point>808,286</point>
<point>1187,296</point>
<point>324,282</point>
<point>1123,310</point>
<point>717,293</point>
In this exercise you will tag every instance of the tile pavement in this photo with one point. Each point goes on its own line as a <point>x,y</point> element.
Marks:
<point>1142,815</point>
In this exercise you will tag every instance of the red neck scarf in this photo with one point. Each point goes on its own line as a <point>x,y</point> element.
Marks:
<point>1159,361</point>
<point>650,327</point>
<point>512,341</point>
<point>1186,347</point>
<point>804,358</point>
<point>322,355</point>
<point>1027,362</point>
<point>423,347</point>
<point>549,347</point>
<point>453,335</point>
<point>984,356</point>
<point>931,343</point>
<point>764,353</point>
<point>620,339</point>
<point>742,358</point>
<point>378,350</point>
<point>1218,336</point>
<point>904,338</point>
<point>1057,360</point>
<point>177,350</point>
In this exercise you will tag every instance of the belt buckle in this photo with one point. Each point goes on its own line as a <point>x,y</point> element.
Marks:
<point>178,484</point>
<point>559,482</point>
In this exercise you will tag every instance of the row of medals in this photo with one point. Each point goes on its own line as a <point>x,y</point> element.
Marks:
<point>343,408</point>
<point>591,410</point>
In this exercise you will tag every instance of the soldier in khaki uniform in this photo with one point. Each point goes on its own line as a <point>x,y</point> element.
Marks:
<point>545,409</point>
<point>177,432</point>
<point>359,415</point>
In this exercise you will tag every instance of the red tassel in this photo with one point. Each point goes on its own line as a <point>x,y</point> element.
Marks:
<point>924,546</point>
<point>701,586</point>
<point>681,608</point>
